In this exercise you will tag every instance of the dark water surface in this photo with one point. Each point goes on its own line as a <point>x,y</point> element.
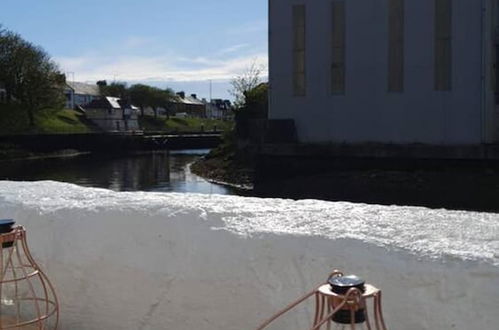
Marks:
<point>157,171</point>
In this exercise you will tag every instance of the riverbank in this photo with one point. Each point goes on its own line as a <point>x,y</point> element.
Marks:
<point>227,165</point>
<point>450,185</point>
<point>11,153</point>
<point>474,189</point>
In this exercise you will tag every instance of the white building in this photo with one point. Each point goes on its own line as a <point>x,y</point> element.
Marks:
<point>386,71</point>
<point>218,109</point>
<point>113,115</point>
<point>79,94</point>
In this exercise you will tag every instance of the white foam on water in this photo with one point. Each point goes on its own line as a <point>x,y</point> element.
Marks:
<point>137,260</point>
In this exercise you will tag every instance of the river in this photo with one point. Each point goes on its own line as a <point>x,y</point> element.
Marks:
<point>154,171</point>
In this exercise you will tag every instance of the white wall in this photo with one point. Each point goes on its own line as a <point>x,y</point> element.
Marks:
<point>368,113</point>
<point>186,261</point>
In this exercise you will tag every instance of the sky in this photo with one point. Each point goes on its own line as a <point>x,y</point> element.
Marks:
<point>165,43</point>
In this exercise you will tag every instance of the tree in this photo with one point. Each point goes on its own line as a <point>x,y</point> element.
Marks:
<point>140,96</point>
<point>147,96</point>
<point>115,89</point>
<point>244,83</point>
<point>257,101</point>
<point>30,77</point>
<point>165,99</point>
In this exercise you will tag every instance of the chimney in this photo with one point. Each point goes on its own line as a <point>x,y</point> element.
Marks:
<point>181,94</point>
<point>194,96</point>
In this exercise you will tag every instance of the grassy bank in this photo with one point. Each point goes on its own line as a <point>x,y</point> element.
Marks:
<point>149,123</point>
<point>14,120</point>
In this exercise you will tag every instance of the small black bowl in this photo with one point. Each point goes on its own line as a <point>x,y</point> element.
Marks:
<point>340,285</point>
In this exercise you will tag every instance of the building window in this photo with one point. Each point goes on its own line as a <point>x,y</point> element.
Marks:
<point>338,48</point>
<point>299,84</point>
<point>443,45</point>
<point>396,45</point>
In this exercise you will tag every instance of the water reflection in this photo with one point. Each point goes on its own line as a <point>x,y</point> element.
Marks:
<point>157,171</point>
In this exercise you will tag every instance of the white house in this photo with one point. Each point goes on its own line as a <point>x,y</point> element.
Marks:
<point>218,109</point>
<point>385,71</point>
<point>113,115</point>
<point>79,94</point>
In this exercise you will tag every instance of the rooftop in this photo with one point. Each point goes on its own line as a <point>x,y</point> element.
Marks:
<point>83,88</point>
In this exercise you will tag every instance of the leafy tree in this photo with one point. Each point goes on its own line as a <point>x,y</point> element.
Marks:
<point>140,96</point>
<point>115,89</point>
<point>147,96</point>
<point>30,77</point>
<point>257,101</point>
<point>165,99</point>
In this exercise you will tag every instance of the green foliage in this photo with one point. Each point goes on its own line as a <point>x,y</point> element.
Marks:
<point>30,77</point>
<point>147,96</point>
<point>115,89</point>
<point>13,119</point>
<point>257,101</point>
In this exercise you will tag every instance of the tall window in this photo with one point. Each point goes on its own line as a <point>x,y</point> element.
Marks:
<point>443,45</point>
<point>299,83</point>
<point>338,50</point>
<point>396,45</point>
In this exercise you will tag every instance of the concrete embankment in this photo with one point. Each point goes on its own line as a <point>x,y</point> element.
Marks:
<point>112,142</point>
<point>186,261</point>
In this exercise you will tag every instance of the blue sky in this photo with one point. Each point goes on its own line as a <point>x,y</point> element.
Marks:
<point>179,44</point>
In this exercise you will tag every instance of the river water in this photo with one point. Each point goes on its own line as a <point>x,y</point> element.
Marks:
<point>157,171</point>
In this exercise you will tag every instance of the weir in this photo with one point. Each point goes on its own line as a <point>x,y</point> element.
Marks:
<point>187,261</point>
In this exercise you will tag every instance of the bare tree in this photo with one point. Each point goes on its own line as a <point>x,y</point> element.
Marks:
<point>244,83</point>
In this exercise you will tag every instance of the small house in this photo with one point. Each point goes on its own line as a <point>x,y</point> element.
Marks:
<point>218,109</point>
<point>190,105</point>
<point>79,94</point>
<point>112,114</point>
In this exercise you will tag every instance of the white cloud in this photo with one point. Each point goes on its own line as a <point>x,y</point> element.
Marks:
<point>92,67</point>
<point>233,49</point>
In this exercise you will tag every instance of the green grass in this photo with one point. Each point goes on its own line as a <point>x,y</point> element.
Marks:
<point>14,120</point>
<point>64,121</point>
<point>149,123</point>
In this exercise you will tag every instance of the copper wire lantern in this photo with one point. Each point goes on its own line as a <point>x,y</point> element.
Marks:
<point>341,304</point>
<point>27,298</point>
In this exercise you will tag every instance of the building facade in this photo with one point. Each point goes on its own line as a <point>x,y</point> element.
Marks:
<point>385,71</point>
<point>79,94</point>
<point>113,115</point>
<point>188,105</point>
<point>218,109</point>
